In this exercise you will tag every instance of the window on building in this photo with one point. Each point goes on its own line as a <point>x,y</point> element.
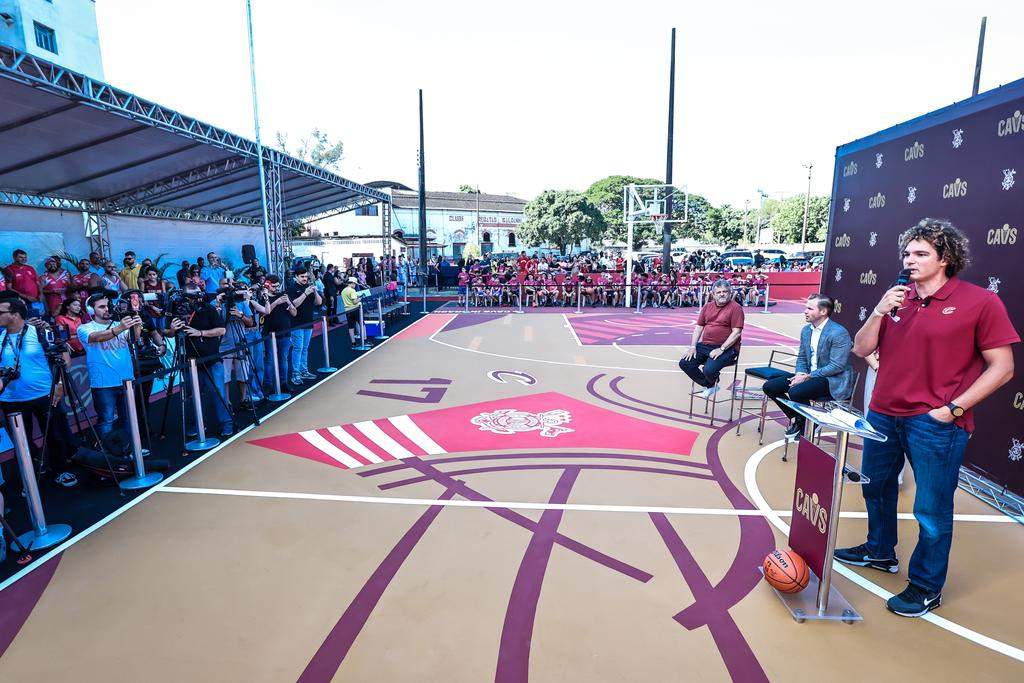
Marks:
<point>46,37</point>
<point>487,237</point>
<point>511,239</point>
<point>368,210</point>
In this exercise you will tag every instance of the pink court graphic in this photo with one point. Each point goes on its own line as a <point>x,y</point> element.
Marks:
<point>657,328</point>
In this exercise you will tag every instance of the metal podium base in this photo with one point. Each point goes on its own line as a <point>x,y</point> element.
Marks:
<point>133,483</point>
<point>277,398</point>
<point>54,534</point>
<point>326,370</point>
<point>198,445</point>
<point>802,607</point>
<point>363,346</point>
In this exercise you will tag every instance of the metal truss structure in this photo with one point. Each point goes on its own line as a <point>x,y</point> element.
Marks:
<point>385,228</point>
<point>103,161</point>
<point>993,494</point>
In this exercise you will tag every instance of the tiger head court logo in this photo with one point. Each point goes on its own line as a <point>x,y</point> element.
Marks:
<point>512,421</point>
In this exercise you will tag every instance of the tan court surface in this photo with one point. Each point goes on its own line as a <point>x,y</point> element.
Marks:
<point>308,548</point>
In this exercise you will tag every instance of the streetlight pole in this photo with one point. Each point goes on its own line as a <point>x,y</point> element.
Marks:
<point>807,204</point>
<point>271,266</point>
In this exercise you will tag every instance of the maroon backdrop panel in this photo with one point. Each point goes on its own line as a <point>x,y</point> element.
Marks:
<point>812,503</point>
<point>964,163</point>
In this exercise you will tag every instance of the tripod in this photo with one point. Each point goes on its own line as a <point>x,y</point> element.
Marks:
<point>61,376</point>
<point>243,355</point>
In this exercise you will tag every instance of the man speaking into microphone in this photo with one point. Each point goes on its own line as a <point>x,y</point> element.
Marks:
<point>944,345</point>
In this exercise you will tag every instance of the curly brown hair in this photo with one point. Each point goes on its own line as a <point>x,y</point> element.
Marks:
<point>949,242</point>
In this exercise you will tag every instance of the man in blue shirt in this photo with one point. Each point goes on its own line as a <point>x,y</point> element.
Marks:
<point>22,349</point>
<point>213,272</point>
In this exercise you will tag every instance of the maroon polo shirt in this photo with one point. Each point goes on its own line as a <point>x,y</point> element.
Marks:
<point>719,321</point>
<point>933,354</point>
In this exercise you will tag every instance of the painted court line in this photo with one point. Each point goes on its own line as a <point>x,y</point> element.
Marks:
<point>750,479</point>
<point>520,505</point>
<point>572,330</point>
<point>195,463</point>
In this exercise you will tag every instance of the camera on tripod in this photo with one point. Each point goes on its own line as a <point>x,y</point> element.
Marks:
<point>233,293</point>
<point>183,304</point>
<point>56,341</point>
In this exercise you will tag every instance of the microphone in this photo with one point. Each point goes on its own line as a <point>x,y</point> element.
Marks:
<point>902,279</point>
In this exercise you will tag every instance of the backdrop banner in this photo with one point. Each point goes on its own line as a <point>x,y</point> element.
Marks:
<point>960,163</point>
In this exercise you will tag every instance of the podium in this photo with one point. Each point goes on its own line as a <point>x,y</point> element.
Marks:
<point>817,498</point>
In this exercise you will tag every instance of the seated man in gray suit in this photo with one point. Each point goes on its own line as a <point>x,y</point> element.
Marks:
<point>823,369</point>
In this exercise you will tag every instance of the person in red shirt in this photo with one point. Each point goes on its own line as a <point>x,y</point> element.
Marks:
<point>23,278</point>
<point>69,315</point>
<point>946,348</point>
<point>716,339</point>
<point>54,282</point>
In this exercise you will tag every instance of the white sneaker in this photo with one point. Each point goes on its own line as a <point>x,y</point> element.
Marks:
<point>709,392</point>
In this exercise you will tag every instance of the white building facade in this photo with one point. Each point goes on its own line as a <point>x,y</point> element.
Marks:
<point>59,31</point>
<point>457,222</point>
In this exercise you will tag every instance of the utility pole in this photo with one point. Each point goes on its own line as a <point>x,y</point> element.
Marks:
<point>746,220</point>
<point>807,204</point>
<point>423,203</point>
<point>981,51</point>
<point>666,228</point>
<point>271,266</point>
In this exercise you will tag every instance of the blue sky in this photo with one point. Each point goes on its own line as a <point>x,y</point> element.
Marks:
<point>527,95</point>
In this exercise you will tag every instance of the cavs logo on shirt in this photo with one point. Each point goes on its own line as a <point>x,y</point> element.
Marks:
<point>948,310</point>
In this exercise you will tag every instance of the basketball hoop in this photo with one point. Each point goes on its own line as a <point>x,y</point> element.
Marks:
<point>659,217</point>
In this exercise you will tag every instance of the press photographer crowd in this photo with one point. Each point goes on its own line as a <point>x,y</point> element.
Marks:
<point>131,323</point>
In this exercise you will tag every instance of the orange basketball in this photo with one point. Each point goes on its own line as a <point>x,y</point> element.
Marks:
<point>786,571</point>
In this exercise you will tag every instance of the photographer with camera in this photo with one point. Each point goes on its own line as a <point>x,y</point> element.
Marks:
<point>199,326</point>
<point>109,360</point>
<point>148,345</point>
<point>26,386</point>
<point>277,311</point>
<point>243,359</point>
<point>305,298</point>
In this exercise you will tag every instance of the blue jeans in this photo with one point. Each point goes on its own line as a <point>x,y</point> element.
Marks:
<point>258,371</point>
<point>300,350</point>
<point>111,410</point>
<point>284,345</point>
<point>211,385</point>
<point>703,369</point>
<point>935,451</point>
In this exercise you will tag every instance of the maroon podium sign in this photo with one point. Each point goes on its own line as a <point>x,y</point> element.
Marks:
<point>812,502</point>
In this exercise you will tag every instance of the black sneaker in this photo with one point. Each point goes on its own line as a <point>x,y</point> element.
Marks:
<point>793,432</point>
<point>914,601</point>
<point>859,556</point>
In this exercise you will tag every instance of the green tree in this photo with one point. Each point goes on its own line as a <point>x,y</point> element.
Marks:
<point>724,225</point>
<point>316,148</point>
<point>787,219</point>
<point>468,189</point>
<point>562,218</point>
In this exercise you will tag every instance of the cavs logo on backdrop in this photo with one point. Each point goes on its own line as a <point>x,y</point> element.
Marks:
<point>850,169</point>
<point>915,151</point>
<point>1003,236</point>
<point>958,137</point>
<point>843,240</point>
<point>876,202</point>
<point>955,189</point>
<point>1011,125</point>
<point>869,278</point>
<point>812,510</point>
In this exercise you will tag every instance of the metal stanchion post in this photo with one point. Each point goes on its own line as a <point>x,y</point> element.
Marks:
<point>424,295</point>
<point>579,297</point>
<point>380,323</point>
<point>141,480</point>
<point>405,297</point>
<point>363,346</point>
<point>278,395</point>
<point>327,352</point>
<point>520,297</point>
<point>639,300</point>
<point>467,296</point>
<point>202,442</point>
<point>767,289</point>
<point>41,536</point>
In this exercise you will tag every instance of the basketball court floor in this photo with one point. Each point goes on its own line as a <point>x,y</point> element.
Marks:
<point>498,496</point>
